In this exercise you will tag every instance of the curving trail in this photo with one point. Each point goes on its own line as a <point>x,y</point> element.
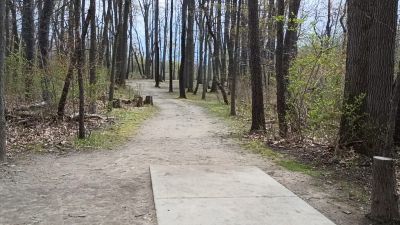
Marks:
<point>113,187</point>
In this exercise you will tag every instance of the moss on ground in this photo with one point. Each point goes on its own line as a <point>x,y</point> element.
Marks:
<point>127,123</point>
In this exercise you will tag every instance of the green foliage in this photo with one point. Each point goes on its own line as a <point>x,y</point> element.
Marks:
<point>315,92</point>
<point>18,73</point>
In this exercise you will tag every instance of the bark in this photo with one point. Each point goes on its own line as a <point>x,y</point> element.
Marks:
<point>217,48</point>
<point>165,41</point>
<point>257,118</point>
<point>145,11</point>
<point>122,53</point>
<point>2,79</point>
<point>189,67</point>
<point>200,72</point>
<point>271,40</point>
<point>233,65</point>
<point>227,21</point>
<point>369,74</point>
<point>279,67</point>
<point>105,40</point>
<point>289,53</point>
<point>171,60</point>
<point>384,207</point>
<point>92,58</point>
<point>15,40</point>
<point>28,36</point>
<point>205,79</point>
<point>182,93</point>
<point>79,55</point>
<point>70,73</point>
<point>43,36</point>
<point>156,45</point>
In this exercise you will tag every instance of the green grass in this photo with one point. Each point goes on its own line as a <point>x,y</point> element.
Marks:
<point>239,126</point>
<point>127,123</point>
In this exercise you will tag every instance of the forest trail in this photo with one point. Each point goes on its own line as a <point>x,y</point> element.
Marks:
<point>113,187</point>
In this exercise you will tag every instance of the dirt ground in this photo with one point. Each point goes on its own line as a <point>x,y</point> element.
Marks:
<point>113,186</point>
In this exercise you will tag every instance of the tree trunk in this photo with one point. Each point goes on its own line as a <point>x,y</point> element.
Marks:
<point>369,74</point>
<point>384,207</point>
<point>43,36</point>
<point>165,41</point>
<point>171,60</point>
<point>289,51</point>
<point>146,8</point>
<point>156,46</point>
<point>92,58</point>
<point>79,67</point>
<point>122,52</point>
<point>3,134</point>
<point>233,62</point>
<point>257,118</point>
<point>189,71</point>
<point>70,73</point>
<point>280,75</point>
<point>271,40</point>
<point>28,36</point>
<point>182,93</point>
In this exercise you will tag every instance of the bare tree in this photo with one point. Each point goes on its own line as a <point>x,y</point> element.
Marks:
<point>257,118</point>
<point>28,36</point>
<point>2,78</point>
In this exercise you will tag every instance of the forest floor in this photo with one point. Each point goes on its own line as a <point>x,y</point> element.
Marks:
<point>113,186</point>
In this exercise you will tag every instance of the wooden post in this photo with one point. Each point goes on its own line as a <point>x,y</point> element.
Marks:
<point>384,206</point>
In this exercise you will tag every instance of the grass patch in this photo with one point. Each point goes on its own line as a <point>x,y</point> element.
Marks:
<point>240,126</point>
<point>295,166</point>
<point>259,147</point>
<point>127,123</point>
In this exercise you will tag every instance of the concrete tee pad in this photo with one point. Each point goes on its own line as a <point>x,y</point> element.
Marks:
<point>221,195</point>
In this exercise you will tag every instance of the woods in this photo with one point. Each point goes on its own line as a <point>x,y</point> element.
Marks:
<point>319,78</point>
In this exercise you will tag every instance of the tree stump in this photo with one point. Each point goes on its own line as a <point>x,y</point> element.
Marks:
<point>139,101</point>
<point>384,206</point>
<point>148,100</point>
<point>117,103</point>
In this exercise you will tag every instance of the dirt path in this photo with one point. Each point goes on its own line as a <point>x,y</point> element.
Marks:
<point>113,187</point>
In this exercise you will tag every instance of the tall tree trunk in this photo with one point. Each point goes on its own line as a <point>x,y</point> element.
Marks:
<point>171,59</point>
<point>3,134</point>
<point>369,74</point>
<point>189,67</point>
<point>146,9</point>
<point>182,92</point>
<point>79,55</point>
<point>271,39</point>
<point>200,72</point>
<point>227,21</point>
<point>70,72</point>
<point>121,63</point>
<point>28,36</point>
<point>280,74</point>
<point>257,115</point>
<point>156,46</point>
<point>43,36</point>
<point>289,52</point>
<point>233,64</point>
<point>92,58</point>
<point>165,40</point>
<point>105,38</point>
